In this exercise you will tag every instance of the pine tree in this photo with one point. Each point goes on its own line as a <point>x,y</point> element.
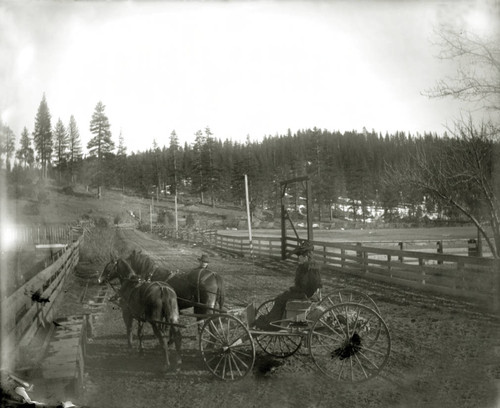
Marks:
<point>25,153</point>
<point>121,161</point>
<point>101,143</point>
<point>75,146</point>
<point>7,143</point>
<point>122,149</point>
<point>61,145</point>
<point>42,136</point>
<point>174,149</point>
<point>199,168</point>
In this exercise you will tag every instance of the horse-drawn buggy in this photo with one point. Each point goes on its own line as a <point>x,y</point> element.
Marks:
<point>342,332</point>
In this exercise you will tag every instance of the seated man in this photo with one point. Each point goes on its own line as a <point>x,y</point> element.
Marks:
<point>307,282</point>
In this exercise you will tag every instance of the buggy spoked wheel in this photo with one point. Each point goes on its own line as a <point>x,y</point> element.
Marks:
<point>264,308</point>
<point>227,347</point>
<point>279,345</point>
<point>276,345</point>
<point>350,296</point>
<point>350,342</point>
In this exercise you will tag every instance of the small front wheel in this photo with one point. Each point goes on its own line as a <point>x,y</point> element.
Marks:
<point>349,342</point>
<point>227,347</point>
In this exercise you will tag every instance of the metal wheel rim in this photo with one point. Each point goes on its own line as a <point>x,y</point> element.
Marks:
<point>227,347</point>
<point>342,343</point>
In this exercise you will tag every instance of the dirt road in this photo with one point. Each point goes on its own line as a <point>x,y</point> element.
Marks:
<point>445,353</point>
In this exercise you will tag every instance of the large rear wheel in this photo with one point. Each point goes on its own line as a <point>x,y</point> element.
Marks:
<point>349,342</point>
<point>227,347</point>
<point>347,295</point>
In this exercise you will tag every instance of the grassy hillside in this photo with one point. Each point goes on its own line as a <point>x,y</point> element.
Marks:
<point>50,204</point>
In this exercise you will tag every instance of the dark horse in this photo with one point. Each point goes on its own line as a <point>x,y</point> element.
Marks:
<point>201,289</point>
<point>153,302</point>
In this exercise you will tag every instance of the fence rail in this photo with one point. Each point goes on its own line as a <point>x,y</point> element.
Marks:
<point>47,233</point>
<point>22,315</point>
<point>458,275</point>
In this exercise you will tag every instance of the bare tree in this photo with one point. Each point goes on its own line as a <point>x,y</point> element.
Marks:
<point>464,173</point>
<point>460,174</point>
<point>478,74</point>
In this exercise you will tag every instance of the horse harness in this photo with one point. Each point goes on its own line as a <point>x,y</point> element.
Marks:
<point>126,301</point>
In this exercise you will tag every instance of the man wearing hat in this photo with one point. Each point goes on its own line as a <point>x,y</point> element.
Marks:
<point>307,282</point>
<point>203,261</point>
<point>203,264</point>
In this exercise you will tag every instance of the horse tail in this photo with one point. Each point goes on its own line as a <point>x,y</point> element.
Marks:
<point>171,314</point>
<point>220,291</point>
<point>169,304</point>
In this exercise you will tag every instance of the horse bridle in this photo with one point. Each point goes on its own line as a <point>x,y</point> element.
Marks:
<point>106,280</point>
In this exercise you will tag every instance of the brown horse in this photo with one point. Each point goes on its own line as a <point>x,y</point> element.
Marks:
<point>201,289</point>
<point>153,302</point>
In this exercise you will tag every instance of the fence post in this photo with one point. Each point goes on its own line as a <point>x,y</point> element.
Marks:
<point>359,252</point>
<point>439,251</point>
<point>421,264</point>
<point>400,258</point>
<point>472,247</point>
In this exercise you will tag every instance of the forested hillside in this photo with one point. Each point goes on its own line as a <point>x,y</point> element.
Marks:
<point>345,167</point>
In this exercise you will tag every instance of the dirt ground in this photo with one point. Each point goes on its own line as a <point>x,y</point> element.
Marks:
<point>445,352</point>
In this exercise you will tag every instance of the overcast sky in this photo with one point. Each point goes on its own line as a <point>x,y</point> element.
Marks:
<point>241,68</point>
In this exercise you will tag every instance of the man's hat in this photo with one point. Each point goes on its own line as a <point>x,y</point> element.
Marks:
<point>203,258</point>
<point>305,247</point>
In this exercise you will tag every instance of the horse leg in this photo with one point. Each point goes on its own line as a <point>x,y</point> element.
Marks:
<point>140,325</point>
<point>127,319</point>
<point>163,343</point>
<point>176,336</point>
<point>197,310</point>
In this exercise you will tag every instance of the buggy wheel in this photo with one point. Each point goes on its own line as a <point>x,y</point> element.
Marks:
<point>350,296</point>
<point>279,345</point>
<point>350,342</point>
<point>276,345</point>
<point>227,347</point>
<point>264,308</point>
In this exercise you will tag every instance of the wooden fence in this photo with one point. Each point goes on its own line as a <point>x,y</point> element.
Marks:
<point>458,275</point>
<point>48,233</point>
<point>22,315</point>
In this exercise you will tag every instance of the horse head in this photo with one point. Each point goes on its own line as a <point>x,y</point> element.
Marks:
<point>109,272</point>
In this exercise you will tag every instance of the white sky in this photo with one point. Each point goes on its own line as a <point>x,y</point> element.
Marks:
<point>241,68</point>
